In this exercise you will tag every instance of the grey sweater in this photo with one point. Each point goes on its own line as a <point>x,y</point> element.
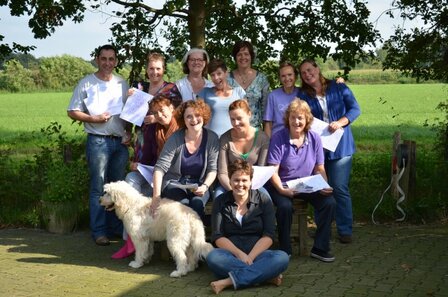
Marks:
<point>169,162</point>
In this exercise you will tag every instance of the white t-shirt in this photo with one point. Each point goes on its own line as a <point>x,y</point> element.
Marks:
<point>114,126</point>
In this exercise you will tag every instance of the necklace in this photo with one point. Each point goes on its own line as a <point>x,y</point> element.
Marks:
<point>244,78</point>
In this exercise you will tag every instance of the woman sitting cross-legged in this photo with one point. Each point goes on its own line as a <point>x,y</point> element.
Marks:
<point>243,141</point>
<point>187,165</point>
<point>297,152</point>
<point>243,228</point>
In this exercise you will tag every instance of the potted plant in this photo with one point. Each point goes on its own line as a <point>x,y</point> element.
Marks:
<point>64,177</point>
<point>65,186</point>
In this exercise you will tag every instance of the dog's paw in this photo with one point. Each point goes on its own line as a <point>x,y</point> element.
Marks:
<point>177,273</point>
<point>135,264</point>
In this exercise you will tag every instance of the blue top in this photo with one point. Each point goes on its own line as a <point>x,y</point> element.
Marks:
<point>295,162</point>
<point>220,120</point>
<point>192,164</point>
<point>340,102</point>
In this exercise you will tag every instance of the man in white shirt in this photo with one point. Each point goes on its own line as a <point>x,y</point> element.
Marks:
<point>97,101</point>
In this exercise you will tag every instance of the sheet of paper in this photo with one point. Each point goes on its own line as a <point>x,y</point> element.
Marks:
<point>147,172</point>
<point>191,187</point>
<point>136,107</point>
<point>261,175</point>
<point>309,184</point>
<point>330,141</point>
<point>102,99</point>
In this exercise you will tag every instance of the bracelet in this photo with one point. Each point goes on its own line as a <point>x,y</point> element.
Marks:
<point>206,186</point>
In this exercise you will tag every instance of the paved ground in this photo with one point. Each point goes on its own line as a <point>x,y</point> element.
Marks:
<point>382,261</point>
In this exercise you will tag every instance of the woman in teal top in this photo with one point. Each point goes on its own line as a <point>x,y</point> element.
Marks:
<point>254,83</point>
<point>243,141</point>
<point>220,97</point>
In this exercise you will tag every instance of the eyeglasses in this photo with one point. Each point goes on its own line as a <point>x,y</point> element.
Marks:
<point>196,60</point>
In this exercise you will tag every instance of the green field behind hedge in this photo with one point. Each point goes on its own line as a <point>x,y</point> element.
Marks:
<point>385,109</point>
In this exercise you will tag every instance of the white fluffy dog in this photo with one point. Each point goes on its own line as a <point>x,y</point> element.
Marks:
<point>174,222</point>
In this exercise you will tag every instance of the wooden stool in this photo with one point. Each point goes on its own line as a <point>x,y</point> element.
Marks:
<point>300,225</point>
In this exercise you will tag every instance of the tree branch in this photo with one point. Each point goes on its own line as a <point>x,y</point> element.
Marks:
<point>181,13</point>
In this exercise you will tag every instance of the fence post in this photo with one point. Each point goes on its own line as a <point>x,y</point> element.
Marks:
<point>407,182</point>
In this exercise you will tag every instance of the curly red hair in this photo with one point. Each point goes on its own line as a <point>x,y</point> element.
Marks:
<point>199,106</point>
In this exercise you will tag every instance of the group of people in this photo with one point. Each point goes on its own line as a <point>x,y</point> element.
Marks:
<point>206,136</point>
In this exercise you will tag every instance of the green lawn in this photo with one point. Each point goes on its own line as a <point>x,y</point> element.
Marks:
<point>385,109</point>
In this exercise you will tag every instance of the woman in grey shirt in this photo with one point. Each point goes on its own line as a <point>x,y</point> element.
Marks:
<point>187,165</point>
<point>243,141</point>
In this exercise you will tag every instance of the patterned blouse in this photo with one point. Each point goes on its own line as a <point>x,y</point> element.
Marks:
<point>256,94</point>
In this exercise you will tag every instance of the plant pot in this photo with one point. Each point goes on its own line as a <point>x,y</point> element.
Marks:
<point>60,217</point>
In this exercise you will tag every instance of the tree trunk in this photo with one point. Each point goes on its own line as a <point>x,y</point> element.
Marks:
<point>196,23</point>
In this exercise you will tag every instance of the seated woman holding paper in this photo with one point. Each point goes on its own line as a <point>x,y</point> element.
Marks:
<point>154,138</point>
<point>144,135</point>
<point>242,141</point>
<point>187,165</point>
<point>297,152</point>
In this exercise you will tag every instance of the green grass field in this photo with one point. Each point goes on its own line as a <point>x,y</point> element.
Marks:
<point>385,109</point>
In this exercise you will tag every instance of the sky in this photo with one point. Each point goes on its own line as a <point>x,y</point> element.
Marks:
<point>80,39</point>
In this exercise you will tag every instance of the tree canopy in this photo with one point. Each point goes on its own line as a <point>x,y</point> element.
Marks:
<point>279,29</point>
<point>316,28</point>
<point>420,52</point>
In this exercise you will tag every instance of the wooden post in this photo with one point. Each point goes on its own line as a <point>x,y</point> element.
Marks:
<point>407,182</point>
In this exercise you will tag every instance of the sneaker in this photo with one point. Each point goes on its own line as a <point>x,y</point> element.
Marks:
<point>345,239</point>
<point>102,240</point>
<point>323,256</point>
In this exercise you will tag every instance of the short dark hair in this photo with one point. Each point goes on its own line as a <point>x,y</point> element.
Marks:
<point>241,165</point>
<point>105,47</point>
<point>160,100</point>
<point>243,44</point>
<point>215,64</point>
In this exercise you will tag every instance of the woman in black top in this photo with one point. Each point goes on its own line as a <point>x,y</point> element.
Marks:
<point>243,228</point>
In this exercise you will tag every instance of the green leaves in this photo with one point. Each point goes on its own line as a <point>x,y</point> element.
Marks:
<point>420,52</point>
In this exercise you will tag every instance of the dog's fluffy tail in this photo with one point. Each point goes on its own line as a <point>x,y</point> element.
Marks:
<point>200,246</point>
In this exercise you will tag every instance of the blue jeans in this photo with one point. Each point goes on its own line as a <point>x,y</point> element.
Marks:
<point>338,172</point>
<point>107,159</point>
<point>324,207</point>
<point>188,198</point>
<point>138,182</point>
<point>268,265</point>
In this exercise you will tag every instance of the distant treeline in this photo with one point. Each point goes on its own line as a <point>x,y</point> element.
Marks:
<point>25,73</point>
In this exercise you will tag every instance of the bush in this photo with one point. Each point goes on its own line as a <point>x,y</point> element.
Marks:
<point>56,172</point>
<point>16,78</point>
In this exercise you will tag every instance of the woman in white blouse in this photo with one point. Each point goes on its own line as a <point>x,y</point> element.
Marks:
<point>194,65</point>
